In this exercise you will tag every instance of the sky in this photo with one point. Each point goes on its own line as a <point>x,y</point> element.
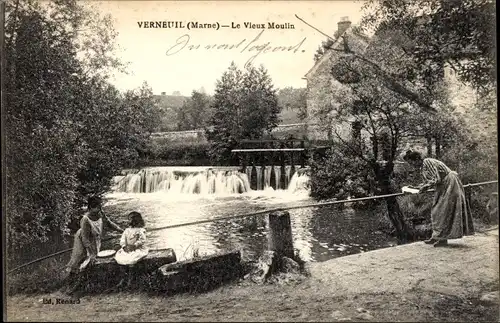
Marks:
<point>169,59</point>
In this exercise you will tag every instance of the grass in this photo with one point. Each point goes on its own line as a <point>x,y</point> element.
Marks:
<point>45,276</point>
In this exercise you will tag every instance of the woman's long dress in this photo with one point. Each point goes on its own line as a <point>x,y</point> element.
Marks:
<point>87,243</point>
<point>450,214</point>
<point>135,238</point>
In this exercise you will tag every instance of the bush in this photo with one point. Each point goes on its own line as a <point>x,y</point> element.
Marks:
<point>167,152</point>
<point>340,175</point>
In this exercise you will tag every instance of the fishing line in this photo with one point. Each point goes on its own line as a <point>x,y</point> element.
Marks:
<point>367,198</point>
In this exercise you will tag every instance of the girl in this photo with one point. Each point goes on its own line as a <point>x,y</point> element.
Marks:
<point>87,240</point>
<point>133,241</point>
<point>87,243</point>
<point>450,215</point>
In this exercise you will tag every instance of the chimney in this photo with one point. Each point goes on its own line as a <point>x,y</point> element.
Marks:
<point>163,93</point>
<point>343,24</point>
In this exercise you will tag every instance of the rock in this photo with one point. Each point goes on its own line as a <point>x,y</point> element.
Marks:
<point>490,298</point>
<point>290,265</point>
<point>107,273</point>
<point>200,274</point>
<point>266,266</point>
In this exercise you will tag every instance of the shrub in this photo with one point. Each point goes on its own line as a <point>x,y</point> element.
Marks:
<point>168,152</point>
<point>340,175</point>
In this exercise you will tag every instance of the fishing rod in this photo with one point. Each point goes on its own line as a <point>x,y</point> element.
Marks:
<point>367,198</point>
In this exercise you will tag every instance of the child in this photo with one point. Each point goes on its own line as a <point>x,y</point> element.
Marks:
<point>133,241</point>
<point>87,241</point>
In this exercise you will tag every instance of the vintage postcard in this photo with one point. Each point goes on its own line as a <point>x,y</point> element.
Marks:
<point>249,160</point>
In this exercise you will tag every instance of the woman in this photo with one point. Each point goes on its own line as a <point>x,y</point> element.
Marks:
<point>133,241</point>
<point>87,241</point>
<point>450,216</point>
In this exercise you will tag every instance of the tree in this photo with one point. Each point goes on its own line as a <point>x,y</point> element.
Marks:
<point>325,46</point>
<point>195,112</point>
<point>67,130</point>
<point>245,106</point>
<point>457,33</point>
<point>294,100</point>
<point>116,133</point>
<point>394,88</point>
<point>380,118</point>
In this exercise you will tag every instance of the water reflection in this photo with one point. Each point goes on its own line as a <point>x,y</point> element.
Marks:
<point>319,233</point>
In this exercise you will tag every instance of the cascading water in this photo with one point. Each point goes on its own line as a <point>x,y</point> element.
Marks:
<point>259,177</point>
<point>299,182</point>
<point>277,172</point>
<point>267,176</point>
<point>248,171</point>
<point>288,170</point>
<point>205,181</point>
<point>192,180</point>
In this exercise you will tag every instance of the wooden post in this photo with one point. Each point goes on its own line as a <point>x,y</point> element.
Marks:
<point>280,234</point>
<point>302,155</point>
<point>429,146</point>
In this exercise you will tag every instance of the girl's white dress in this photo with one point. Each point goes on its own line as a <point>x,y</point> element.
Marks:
<point>135,237</point>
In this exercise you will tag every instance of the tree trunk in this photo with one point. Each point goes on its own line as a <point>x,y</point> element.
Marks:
<point>438,147</point>
<point>429,146</point>
<point>383,173</point>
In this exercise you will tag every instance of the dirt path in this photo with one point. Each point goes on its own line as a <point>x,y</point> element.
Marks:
<point>413,282</point>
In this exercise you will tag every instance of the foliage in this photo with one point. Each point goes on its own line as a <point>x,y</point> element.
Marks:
<point>458,33</point>
<point>68,131</point>
<point>340,174</point>
<point>195,112</point>
<point>245,106</point>
<point>325,46</point>
<point>167,152</point>
<point>293,99</point>
<point>115,134</point>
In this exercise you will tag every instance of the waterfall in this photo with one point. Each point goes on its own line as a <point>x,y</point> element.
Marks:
<point>208,181</point>
<point>299,182</point>
<point>277,172</point>
<point>248,171</point>
<point>259,177</point>
<point>288,170</point>
<point>267,176</point>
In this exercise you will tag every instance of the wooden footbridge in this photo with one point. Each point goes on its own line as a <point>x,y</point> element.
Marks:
<point>275,159</point>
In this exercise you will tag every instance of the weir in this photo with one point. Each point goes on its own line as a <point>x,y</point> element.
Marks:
<point>218,181</point>
<point>273,162</point>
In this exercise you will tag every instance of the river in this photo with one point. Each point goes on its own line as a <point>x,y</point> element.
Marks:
<point>175,195</point>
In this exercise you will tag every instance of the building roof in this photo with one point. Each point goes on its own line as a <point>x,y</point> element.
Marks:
<point>337,46</point>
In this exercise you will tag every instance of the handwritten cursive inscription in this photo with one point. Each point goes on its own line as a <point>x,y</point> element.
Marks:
<point>183,43</point>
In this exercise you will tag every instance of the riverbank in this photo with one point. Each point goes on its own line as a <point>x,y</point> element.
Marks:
<point>414,282</point>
